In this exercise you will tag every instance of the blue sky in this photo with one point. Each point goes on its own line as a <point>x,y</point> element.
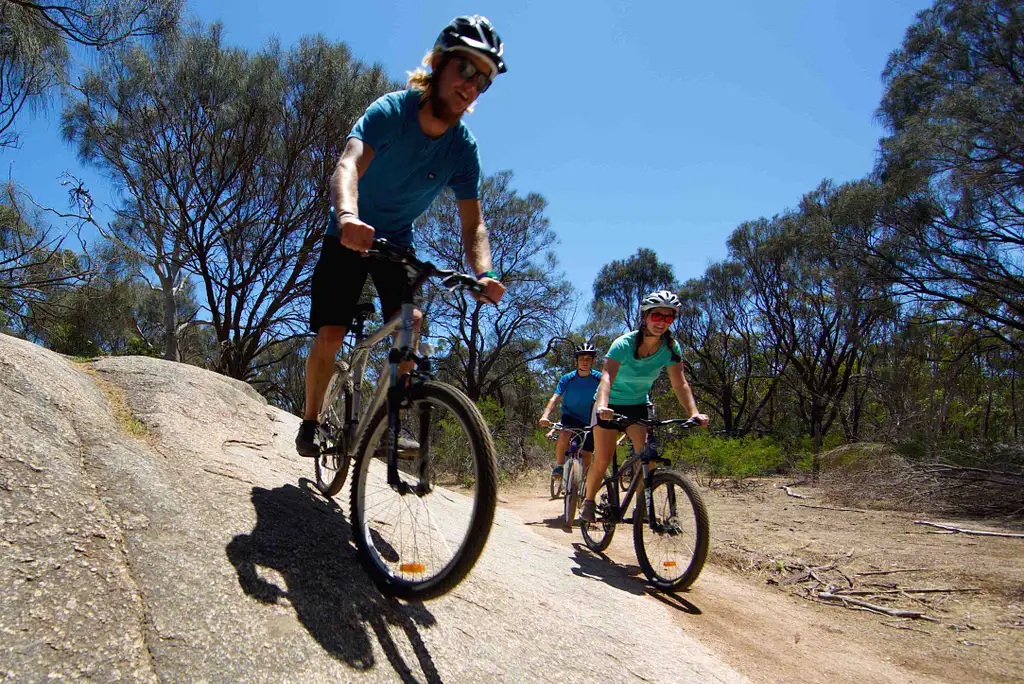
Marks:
<point>660,124</point>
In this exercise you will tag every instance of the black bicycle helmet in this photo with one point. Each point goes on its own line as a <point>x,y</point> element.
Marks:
<point>585,348</point>
<point>476,34</point>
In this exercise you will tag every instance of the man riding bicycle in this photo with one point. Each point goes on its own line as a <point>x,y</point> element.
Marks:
<point>576,390</point>
<point>631,366</point>
<point>400,155</point>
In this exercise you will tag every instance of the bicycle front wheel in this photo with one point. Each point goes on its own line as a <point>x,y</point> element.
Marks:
<point>672,548</point>
<point>332,463</point>
<point>572,490</point>
<point>420,546</point>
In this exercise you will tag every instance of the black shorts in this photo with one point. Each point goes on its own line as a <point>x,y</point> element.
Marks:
<point>338,281</point>
<point>639,411</point>
<point>569,421</point>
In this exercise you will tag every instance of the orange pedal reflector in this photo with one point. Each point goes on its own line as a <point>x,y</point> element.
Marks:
<point>412,567</point>
<point>669,564</point>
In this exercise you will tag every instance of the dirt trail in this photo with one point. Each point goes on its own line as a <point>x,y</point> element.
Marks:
<point>775,636</point>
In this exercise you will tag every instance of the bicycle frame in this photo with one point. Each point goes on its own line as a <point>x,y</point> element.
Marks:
<point>647,469</point>
<point>357,423</point>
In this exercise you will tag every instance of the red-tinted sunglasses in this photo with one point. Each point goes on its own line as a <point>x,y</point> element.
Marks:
<point>662,318</point>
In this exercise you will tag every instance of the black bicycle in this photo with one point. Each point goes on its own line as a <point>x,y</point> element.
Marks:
<point>416,538</point>
<point>670,523</point>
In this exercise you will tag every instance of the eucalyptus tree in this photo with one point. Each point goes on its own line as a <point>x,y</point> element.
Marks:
<point>35,39</point>
<point>730,368</point>
<point>224,158</point>
<point>488,345</point>
<point>624,283</point>
<point>952,228</point>
<point>35,263</point>
<point>818,309</point>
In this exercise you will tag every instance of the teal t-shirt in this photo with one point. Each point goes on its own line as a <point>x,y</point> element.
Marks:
<point>409,169</point>
<point>635,377</point>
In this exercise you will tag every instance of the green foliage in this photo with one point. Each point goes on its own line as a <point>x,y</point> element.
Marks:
<point>727,457</point>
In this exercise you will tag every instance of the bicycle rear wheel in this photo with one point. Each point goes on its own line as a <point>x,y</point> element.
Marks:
<point>672,549</point>
<point>572,490</point>
<point>414,546</point>
<point>597,536</point>
<point>332,463</point>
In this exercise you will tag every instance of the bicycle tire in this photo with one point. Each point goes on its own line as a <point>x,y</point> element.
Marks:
<point>389,567</point>
<point>556,486</point>
<point>597,536</point>
<point>572,492</point>
<point>689,540</point>
<point>333,462</point>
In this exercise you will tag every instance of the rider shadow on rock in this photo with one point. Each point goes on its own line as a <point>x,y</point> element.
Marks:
<point>307,540</point>
<point>601,567</point>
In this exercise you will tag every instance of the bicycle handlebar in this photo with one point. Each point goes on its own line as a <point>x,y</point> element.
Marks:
<point>687,423</point>
<point>559,426</point>
<point>450,279</point>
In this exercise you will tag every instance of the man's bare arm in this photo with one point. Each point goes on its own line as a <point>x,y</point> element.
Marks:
<point>345,195</point>
<point>474,235</point>
<point>478,248</point>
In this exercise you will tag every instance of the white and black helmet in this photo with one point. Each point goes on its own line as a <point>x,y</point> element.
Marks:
<point>662,299</point>
<point>474,34</point>
<point>585,348</point>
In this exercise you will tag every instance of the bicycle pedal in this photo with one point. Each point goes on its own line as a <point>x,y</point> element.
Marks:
<point>413,568</point>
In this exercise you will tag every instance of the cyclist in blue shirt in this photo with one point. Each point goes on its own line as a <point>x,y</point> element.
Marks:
<point>631,366</point>
<point>405,149</point>
<point>576,390</point>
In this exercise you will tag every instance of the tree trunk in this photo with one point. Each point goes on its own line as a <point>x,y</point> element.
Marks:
<point>171,350</point>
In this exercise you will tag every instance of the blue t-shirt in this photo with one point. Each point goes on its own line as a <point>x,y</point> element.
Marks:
<point>577,393</point>
<point>409,169</point>
<point>635,377</point>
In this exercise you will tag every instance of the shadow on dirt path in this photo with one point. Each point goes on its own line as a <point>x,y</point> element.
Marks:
<point>306,540</point>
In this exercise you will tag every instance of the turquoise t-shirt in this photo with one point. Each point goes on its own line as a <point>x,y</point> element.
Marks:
<point>409,169</point>
<point>635,377</point>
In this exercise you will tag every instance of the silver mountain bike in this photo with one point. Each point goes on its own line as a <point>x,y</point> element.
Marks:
<point>423,483</point>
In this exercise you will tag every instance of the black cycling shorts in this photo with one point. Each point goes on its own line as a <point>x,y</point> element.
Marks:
<point>338,281</point>
<point>569,421</point>
<point>639,411</point>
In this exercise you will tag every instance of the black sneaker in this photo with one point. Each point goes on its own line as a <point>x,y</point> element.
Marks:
<point>304,443</point>
<point>588,511</point>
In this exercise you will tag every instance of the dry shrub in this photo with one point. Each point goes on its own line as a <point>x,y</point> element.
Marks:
<point>877,476</point>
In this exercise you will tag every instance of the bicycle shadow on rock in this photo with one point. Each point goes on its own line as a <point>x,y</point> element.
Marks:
<point>308,541</point>
<point>600,567</point>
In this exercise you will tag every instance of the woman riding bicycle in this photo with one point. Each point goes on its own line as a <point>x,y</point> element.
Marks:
<point>576,390</point>
<point>631,366</point>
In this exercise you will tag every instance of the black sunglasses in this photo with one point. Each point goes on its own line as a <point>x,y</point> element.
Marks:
<point>467,71</point>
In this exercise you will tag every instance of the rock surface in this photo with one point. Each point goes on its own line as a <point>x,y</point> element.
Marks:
<point>197,551</point>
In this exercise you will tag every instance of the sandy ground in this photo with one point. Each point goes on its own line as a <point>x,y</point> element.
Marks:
<point>757,601</point>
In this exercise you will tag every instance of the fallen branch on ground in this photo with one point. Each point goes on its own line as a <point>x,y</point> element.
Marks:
<point>890,572</point>
<point>869,592</point>
<point>893,612</point>
<point>790,492</point>
<point>976,533</point>
<point>906,627</point>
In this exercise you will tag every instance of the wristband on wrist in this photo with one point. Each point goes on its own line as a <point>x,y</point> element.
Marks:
<point>487,274</point>
<point>345,212</point>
